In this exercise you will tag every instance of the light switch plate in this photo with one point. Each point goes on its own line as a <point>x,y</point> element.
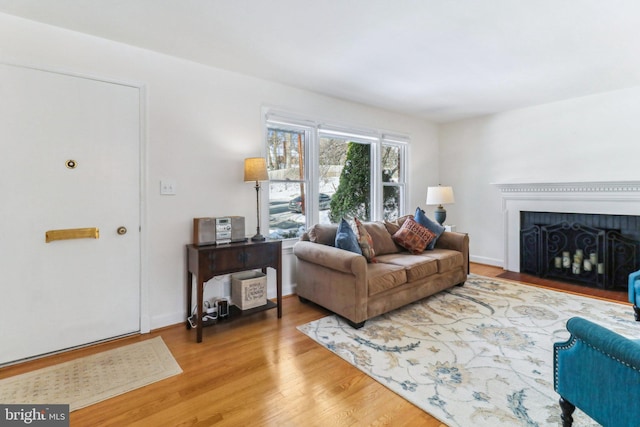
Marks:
<point>167,187</point>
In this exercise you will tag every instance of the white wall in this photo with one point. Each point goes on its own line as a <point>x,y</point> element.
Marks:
<point>201,123</point>
<point>593,138</point>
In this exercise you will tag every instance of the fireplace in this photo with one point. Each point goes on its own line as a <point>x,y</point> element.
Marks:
<point>599,250</point>
<point>620,198</point>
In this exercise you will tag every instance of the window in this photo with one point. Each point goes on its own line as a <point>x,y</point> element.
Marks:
<point>345,175</point>
<point>320,174</point>
<point>286,148</point>
<point>393,178</point>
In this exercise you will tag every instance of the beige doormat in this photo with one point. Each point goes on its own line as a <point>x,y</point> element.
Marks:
<point>91,379</point>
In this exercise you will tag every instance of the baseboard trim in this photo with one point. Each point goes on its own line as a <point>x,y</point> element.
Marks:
<point>487,261</point>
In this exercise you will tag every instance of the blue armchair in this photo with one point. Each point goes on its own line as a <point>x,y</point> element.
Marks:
<point>634,292</point>
<point>598,371</point>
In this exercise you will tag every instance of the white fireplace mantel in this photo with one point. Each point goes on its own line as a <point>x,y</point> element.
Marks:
<point>603,197</point>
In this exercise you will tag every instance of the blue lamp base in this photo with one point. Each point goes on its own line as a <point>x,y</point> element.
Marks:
<point>440,214</point>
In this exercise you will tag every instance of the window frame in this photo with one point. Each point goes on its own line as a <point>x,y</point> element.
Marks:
<point>307,181</point>
<point>402,143</point>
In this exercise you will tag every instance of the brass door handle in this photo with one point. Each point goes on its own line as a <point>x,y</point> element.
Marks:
<point>72,233</point>
<point>122,230</point>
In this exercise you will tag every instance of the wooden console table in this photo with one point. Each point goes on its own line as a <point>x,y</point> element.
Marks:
<point>205,262</point>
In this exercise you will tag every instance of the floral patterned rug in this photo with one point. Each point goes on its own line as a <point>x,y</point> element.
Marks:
<point>476,355</point>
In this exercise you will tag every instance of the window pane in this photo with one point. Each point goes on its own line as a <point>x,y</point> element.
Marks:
<point>391,202</point>
<point>285,157</point>
<point>285,164</point>
<point>392,180</point>
<point>344,174</point>
<point>390,163</point>
<point>332,156</point>
<point>286,210</point>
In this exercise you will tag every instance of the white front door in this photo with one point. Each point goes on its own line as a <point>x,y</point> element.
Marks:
<point>70,160</point>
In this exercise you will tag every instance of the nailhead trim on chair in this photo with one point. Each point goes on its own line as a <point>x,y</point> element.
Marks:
<point>569,344</point>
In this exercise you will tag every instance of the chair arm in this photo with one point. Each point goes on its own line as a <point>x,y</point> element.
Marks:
<point>598,371</point>
<point>634,287</point>
<point>330,257</point>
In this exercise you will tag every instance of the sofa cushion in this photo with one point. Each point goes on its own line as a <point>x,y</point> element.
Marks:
<point>413,236</point>
<point>447,259</point>
<point>384,276</point>
<point>346,239</point>
<point>417,267</point>
<point>365,241</point>
<point>323,233</point>
<point>436,228</point>
<point>382,241</point>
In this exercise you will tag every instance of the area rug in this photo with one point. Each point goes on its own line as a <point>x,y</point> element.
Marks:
<point>476,355</point>
<point>94,378</point>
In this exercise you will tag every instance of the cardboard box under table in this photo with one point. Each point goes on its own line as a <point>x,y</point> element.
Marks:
<point>249,289</point>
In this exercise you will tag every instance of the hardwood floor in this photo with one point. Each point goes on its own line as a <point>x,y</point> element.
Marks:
<point>256,371</point>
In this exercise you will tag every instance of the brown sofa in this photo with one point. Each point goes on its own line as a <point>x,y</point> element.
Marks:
<point>345,283</point>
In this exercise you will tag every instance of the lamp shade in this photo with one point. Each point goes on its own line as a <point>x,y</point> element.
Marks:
<point>440,195</point>
<point>255,169</point>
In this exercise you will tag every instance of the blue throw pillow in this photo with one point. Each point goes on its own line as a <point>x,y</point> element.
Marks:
<point>422,219</point>
<point>346,239</point>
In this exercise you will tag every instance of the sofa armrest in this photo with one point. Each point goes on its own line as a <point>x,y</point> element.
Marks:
<point>453,240</point>
<point>457,242</point>
<point>330,257</point>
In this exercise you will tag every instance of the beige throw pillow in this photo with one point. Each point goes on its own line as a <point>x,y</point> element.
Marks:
<point>382,241</point>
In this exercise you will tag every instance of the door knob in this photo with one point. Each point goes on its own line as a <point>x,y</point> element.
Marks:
<point>122,230</point>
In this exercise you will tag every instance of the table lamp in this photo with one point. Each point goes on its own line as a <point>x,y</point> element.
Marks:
<point>440,196</point>
<point>255,169</point>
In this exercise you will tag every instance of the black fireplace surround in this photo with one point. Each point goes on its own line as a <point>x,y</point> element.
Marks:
<point>597,250</point>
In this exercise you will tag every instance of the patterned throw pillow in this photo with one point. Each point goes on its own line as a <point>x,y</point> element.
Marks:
<point>394,226</point>
<point>346,239</point>
<point>436,228</point>
<point>365,241</point>
<point>413,236</point>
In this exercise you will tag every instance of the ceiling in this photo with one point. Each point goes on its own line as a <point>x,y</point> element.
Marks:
<point>440,60</point>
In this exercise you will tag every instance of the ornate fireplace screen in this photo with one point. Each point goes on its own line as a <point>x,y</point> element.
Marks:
<point>576,252</point>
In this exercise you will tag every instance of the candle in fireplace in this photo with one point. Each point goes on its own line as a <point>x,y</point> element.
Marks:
<point>566,261</point>
<point>575,268</point>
